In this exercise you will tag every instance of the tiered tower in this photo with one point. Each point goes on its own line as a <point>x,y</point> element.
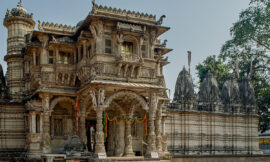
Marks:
<point>18,23</point>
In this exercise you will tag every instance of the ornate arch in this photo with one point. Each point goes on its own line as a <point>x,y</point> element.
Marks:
<point>59,99</point>
<point>142,101</point>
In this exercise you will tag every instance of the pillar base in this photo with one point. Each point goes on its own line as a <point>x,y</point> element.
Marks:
<point>129,154</point>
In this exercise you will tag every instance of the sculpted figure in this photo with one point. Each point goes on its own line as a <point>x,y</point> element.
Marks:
<point>40,26</point>
<point>93,96</point>
<point>164,43</point>
<point>97,32</point>
<point>101,96</point>
<point>120,38</point>
<point>160,21</point>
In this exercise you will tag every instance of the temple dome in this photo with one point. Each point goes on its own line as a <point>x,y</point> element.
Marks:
<point>184,89</point>
<point>209,91</point>
<point>19,10</point>
<point>230,91</point>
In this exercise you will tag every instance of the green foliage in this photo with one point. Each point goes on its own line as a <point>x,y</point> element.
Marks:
<point>250,43</point>
<point>215,66</point>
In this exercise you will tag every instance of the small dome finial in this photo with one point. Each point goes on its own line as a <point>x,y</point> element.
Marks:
<point>20,3</point>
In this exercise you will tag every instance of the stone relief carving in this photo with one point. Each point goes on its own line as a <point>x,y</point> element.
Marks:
<point>131,27</point>
<point>93,97</point>
<point>34,104</point>
<point>67,79</point>
<point>97,31</point>
<point>101,96</point>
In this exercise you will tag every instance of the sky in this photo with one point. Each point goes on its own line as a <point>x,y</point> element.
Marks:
<point>201,26</point>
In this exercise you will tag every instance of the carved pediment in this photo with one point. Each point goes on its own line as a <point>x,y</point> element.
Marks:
<point>131,27</point>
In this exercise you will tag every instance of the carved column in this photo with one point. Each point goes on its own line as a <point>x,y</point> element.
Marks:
<point>128,138</point>
<point>43,55</point>
<point>84,48</point>
<point>158,131</point>
<point>33,122</point>
<point>82,131</point>
<point>96,29</point>
<point>34,57</point>
<point>119,140</point>
<point>46,145</point>
<point>56,55</point>
<point>99,147</point>
<point>151,147</point>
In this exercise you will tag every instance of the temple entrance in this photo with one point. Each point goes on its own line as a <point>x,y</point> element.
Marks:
<point>90,126</point>
<point>125,127</point>
<point>90,129</point>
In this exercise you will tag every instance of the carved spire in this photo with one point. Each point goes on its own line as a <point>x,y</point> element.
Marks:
<point>230,91</point>
<point>209,91</point>
<point>20,3</point>
<point>247,92</point>
<point>184,88</point>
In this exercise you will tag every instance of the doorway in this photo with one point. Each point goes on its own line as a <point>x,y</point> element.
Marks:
<point>90,126</point>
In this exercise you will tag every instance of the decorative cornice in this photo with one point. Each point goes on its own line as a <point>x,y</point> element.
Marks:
<point>123,14</point>
<point>56,28</point>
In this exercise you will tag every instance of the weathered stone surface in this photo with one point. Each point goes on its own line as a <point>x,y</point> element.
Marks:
<point>184,88</point>
<point>230,93</point>
<point>209,91</point>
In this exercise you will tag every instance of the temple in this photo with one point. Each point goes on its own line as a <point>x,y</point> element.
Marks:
<point>97,90</point>
<point>213,122</point>
<point>70,88</point>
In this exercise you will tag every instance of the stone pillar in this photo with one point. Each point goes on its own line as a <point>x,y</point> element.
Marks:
<point>158,132</point>
<point>56,55</point>
<point>41,123</point>
<point>79,53</point>
<point>34,57</point>
<point>128,141</point>
<point>34,122</point>
<point>99,147</point>
<point>119,140</point>
<point>84,49</point>
<point>151,147</point>
<point>46,143</point>
<point>82,131</point>
<point>43,55</point>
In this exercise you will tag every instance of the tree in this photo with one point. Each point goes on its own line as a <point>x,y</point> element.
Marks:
<point>250,46</point>
<point>215,66</point>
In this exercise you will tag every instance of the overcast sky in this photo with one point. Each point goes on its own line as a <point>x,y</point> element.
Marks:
<point>201,26</point>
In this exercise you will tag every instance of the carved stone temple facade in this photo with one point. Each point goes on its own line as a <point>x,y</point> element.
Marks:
<point>63,82</point>
<point>96,89</point>
<point>213,122</point>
